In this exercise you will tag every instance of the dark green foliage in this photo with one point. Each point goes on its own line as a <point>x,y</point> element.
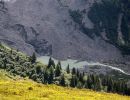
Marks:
<point>110,84</point>
<point>33,58</point>
<point>73,71</point>
<point>68,69</point>
<point>76,15</point>
<point>105,16</point>
<point>77,73</point>
<point>114,85</point>
<point>46,76</point>
<point>79,85</point>
<point>51,63</point>
<point>89,82</point>
<point>127,92</point>
<point>20,64</point>
<point>74,81</point>
<point>24,67</point>
<point>125,29</point>
<point>17,58</point>
<point>58,70</point>
<point>62,80</point>
<point>51,75</point>
<point>38,69</point>
<point>59,64</point>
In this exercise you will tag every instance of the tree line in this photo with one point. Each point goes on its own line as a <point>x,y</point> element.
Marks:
<point>79,79</point>
<point>19,64</point>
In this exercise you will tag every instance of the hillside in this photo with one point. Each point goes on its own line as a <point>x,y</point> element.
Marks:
<point>59,28</point>
<point>17,63</point>
<point>24,89</point>
<point>85,30</point>
<point>76,44</point>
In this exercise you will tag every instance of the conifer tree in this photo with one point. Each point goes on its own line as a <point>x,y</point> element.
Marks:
<point>33,58</point>
<point>110,84</point>
<point>81,78</point>
<point>73,71</point>
<point>86,85</point>
<point>77,73</point>
<point>51,75</point>
<point>62,80</point>
<point>73,82</point>
<point>51,63</point>
<point>68,69</point>
<point>46,76</point>
<point>59,64</point>
<point>98,84</point>
<point>89,82</point>
<point>38,69</point>
<point>57,71</point>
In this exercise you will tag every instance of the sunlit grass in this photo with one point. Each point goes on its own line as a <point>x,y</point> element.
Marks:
<point>25,89</point>
<point>28,90</point>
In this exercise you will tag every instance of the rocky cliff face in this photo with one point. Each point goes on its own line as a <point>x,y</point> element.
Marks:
<point>60,28</point>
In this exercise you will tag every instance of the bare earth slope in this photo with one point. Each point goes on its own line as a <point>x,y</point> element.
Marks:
<point>45,26</point>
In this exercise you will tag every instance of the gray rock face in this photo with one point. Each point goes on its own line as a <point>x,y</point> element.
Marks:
<point>45,26</point>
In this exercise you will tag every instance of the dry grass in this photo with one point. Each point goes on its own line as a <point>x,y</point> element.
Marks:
<point>29,90</point>
<point>20,89</point>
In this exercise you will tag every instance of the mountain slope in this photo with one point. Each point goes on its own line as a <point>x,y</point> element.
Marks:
<point>48,28</point>
<point>26,89</point>
<point>17,63</point>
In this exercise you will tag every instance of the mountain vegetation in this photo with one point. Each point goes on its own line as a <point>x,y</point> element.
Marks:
<point>105,16</point>
<point>74,25</point>
<point>17,63</point>
<point>17,88</point>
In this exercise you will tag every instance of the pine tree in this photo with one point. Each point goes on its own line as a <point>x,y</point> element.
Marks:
<point>73,82</point>
<point>51,75</point>
<point>89,82</point>
<point>46,76</point>
<point>127,90</point>
<point>83,74</point>
<point>33,58</point>
<point>73,71</point>
<point>59,64</point>
<point>68,69</point>
<point>77,73</point>
<point>51,63</point>
<point>57,71</point>
<point>42,78</point>
<point>81,78</point>
<point>98,84</point>
<point>62,81</point>
<point>38,69</point>
<point>110,84</point>
<point>86,85</point>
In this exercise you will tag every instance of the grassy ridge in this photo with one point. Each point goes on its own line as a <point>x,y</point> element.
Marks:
<point>27,90</point>
<point>21,89</point>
